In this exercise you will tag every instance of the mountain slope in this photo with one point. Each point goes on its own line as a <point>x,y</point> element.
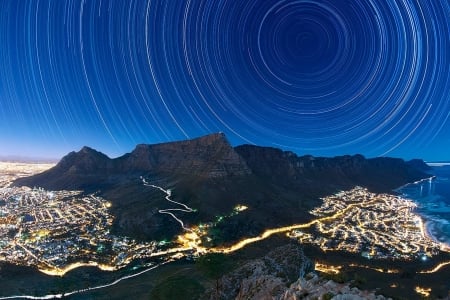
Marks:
<point>381,174</point>
<point>206,157</point>
<point>211,176</point>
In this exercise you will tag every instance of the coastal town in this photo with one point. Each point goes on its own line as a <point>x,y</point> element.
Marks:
<point>57,231</point>
<point>375,225</point>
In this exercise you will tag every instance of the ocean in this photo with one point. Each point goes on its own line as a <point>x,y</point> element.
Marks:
<point>433,199</point>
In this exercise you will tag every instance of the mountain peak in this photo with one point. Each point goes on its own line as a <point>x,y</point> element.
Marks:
<point>419,164</point>
<point>85,160</point>
<point>87,149</point>
<point>86,152</point>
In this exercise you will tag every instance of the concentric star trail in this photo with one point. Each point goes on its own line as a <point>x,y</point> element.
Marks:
<point>312,76</point>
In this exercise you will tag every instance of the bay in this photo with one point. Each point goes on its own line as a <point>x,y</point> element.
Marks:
<point>432,196</point>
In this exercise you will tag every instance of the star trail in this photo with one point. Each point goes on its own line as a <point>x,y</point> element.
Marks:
<point>311,76</point>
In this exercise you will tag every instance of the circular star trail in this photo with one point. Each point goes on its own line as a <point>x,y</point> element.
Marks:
<point>318,77</point>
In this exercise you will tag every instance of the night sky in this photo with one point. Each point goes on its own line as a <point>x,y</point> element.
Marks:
<point>318,77</point>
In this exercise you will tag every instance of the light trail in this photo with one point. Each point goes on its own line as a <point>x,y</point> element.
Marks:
<point>263,236</point>
<point>170,210</point>
<point>437,268</point>
<point>59,296</point>
<point>328,269</point>
<point>62,271</point>
<point>271,232</point>
<point>426,292</point>
<point>191,242</point>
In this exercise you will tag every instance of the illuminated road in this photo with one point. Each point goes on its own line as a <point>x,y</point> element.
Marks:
<point>437,268</point>
<point>58,296</point>
<point>52,271</point>
<point>271,232</point>
<point>171,210</point>
<point>359,209</point>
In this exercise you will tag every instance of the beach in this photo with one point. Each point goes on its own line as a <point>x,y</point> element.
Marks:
<point>433,206</point>
<point>432,233</point>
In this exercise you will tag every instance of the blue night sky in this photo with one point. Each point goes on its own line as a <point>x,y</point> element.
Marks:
<point>311,76</point>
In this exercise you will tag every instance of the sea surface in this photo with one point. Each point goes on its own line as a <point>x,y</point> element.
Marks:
<point>433,199</point>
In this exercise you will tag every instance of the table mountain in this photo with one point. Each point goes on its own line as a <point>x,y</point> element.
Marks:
<point>209,156</point>
<point>208,174</point>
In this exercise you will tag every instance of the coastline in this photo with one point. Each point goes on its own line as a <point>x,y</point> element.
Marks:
<point>421,192</point>
<point>399,189</point>
<point>430,231</point>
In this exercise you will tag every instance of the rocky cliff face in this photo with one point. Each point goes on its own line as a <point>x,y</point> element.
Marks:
<point>286,168</point>
<point>210,156</point>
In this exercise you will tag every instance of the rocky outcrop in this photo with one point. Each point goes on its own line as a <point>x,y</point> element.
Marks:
<point>285,273</point>
<point>315,287</point>
<point>264,278</point>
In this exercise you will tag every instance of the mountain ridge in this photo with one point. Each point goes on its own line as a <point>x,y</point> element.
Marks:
<point>210,175</point>
<point>208,156</point>
<point>211,156</point>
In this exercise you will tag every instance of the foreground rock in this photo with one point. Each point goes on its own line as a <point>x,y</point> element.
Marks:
<point>317,288</point>
<point>285,273</point>
<point>264,278</point>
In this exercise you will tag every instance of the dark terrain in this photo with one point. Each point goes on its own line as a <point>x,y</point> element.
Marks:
<point>211,176</point>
